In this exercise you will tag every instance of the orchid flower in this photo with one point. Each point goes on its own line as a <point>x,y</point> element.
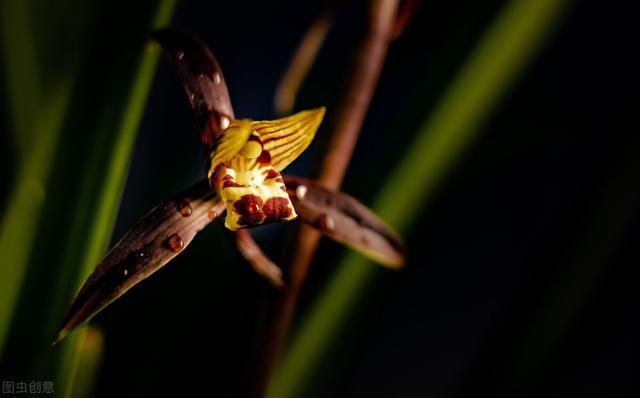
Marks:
<point>246,163</point>
<point>245,159</point>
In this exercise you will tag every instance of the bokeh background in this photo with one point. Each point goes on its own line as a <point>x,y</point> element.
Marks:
<point>521,235</point>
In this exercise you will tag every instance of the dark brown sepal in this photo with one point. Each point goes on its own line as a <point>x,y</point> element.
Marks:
<point>151,243</point>
<point>344,219</point>
<point>202,80</point>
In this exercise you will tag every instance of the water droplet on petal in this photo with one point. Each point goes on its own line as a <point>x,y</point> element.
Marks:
<point>324,223</point>
<point>224,122</point>
<point>126,272</point>
<point>212,214</point>
<point>301,191</point>
<point>175,243</point>
<point>216,78</point>
<point>184,208</point>
<point>180,55</point>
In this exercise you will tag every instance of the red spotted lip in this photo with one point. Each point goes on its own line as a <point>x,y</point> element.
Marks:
<point>253,211</point>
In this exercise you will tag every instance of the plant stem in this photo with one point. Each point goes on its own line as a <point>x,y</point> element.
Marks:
<point>345,126</point>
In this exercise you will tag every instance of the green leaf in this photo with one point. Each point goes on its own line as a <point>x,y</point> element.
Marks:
<point>20,217</point>
<point>75,107</point>
<point>91,236</point>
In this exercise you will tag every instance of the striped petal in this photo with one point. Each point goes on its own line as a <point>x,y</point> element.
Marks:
<point>285,139</point>
<point>246,163</point>
<point>230,143</point>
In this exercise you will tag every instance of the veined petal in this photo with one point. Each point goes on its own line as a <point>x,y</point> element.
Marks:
<point>232,140</point>
<point>285,139</point>
<point>246,163</point>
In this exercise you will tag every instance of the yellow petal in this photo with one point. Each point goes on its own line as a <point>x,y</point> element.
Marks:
<point>232,140</point>
<point>252,149</point>
<point>285,139</point>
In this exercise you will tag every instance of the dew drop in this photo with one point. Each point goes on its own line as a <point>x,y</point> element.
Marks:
<point>301,191</point>
<point>331,225</point>
<point>175,243</point>
<point>184,208</point>
<point>325,223</point>
<point>224,122</point>
<point>126,272</point>
<point>216,78</point>
<point>212,215</point>
<point>136,255</point>
<point>180,55</point>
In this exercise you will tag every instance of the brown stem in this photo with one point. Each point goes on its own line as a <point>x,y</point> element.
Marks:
<point>345,126</point>
<point>259,261</point>
<point>405,14</point>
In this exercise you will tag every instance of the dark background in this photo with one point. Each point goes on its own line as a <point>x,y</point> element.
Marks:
<point>518,282</point>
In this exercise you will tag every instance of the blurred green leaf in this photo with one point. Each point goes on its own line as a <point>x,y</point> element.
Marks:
<point>26,96</point>
<point>491,69</point>
<point>90,352</point>
<point>90,236</point>
<point>77,80</point>
<point>21,69</point>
